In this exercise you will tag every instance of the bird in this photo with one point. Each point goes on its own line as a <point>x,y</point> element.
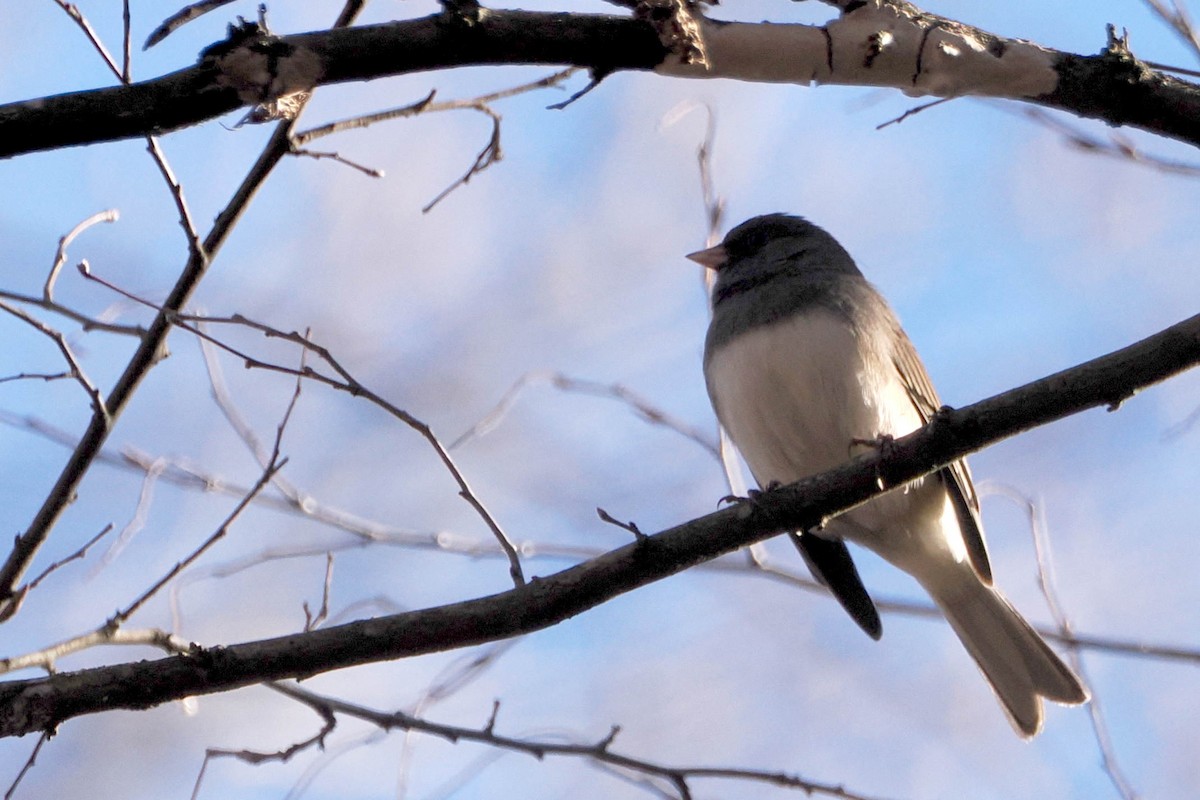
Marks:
<point>806,365</point>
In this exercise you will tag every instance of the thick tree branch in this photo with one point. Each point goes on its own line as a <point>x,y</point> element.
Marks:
<point>218,85</point>
<point>39,705</point>
<point>878,43</point>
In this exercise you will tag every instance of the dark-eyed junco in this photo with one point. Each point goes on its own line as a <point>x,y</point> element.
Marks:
<point>806,364</point>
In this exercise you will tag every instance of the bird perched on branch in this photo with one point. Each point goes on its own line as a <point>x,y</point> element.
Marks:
<point>805,363</point>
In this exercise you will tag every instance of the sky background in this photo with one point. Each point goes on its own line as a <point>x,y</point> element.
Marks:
<point>1007,254</point>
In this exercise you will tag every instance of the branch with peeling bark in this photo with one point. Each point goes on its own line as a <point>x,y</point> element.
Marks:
<point>877,43</point>
<point>37,705</point>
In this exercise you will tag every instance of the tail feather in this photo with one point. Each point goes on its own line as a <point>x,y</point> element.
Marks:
<point>1019,665</point>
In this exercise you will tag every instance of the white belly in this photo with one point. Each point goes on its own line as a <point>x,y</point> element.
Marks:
<point>796,395</point>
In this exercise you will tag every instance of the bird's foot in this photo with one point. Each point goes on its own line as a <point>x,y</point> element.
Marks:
<point>884,444</point>
<point>752,495</point>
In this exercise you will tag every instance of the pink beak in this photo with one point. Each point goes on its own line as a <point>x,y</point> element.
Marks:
<point>713,258</point>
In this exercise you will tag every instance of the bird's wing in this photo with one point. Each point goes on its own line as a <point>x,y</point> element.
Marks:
<point>830,563</point>
<point>957,476</point>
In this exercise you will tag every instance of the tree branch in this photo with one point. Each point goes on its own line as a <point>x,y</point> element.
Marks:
<point>39,705</point>
<point>149,351</point>
<point>878,43</point>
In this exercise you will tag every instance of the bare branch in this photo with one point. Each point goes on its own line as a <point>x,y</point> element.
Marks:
<point>922,53</point>
<point>346,382</point>
<point>276,463</point>
<point>1116,146</point>
<point>79,554</point>
<point>36,376</point>
<point>714,212</point>
<point>1107,381</point>
<point>181,18</point>
<point>913,112</point>
<point>76,371</point>
<point>88,323</point>
<point>628,526</point>
<point>368,532</point>
<point>195,246</point>
<point>370,172</point>
<point>146,356</point>
<point>224,400</point>
<point>137,520</point>
<point>329,722</point>
<point>1046,581</point>
<point>489,155</point>
<point>313,621</point>
<point>646,410</point>
<point>456,676</point>
<point>29,764</point>
<point>75,14</point>
<point>600,750</point>
<point>106,634</point>
<point>426,105</point>
<point>60,256</point>
<point>1179,20</point>
<point>126,43</point>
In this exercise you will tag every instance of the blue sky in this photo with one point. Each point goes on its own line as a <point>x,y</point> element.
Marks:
<point>1007,254</point>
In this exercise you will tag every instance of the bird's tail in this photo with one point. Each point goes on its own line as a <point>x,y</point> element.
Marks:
<point>1018,664</point>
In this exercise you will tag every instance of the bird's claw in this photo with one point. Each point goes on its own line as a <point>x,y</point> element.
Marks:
<point>752,495</point>
<point>883,442</point>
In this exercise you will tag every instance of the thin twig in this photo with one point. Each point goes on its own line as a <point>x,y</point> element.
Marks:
<point>1116,146</point>
<point>1181,427</point>
<point>348,383</point>
<point>320,154</point>
<point>328,755</point>
<point>313,621</point>
<point>148,353</point>
<point>126,43</point>
<point>646,410</point>
<point>196,248</point>
<point>137,521</point>
<point>714,202</point>
<point>181,18</point>
<point>219,391</point>
<point>106,634</point>
<point>453,678</point>
<point>628,526</point>
<point>86,322</point>
<point>97,400</point>
<point>714,213</point>
<point>912,112</point>
<point>1179,20</point>
<point>45,377</point>
<point>77,555</point>
<point>597,76</point>
<point>600,750</point>
<point>276,463</point>
<point>60,255</point>
<point>489,155</point>
<point>1192,73</point>
<point>1046,581</point>
<point>328,724</point>
<point>363,121</point>
<point>426,104</point>
<point>75,14</point>
<point>29,763</point>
